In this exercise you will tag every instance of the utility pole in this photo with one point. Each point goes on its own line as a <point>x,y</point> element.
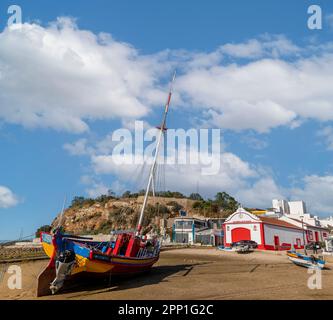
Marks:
<point>303,234</point>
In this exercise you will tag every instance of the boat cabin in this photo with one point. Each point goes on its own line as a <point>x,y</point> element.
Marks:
<point>128,245</point>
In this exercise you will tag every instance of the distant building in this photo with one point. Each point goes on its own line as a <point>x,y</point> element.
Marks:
<point>280,206</point>
<point>214,234</point>
<point>313,233</point>
<point>296,208</point>
<point>185,228</point>
<point>215,223</point>
<point>270,233</point>
<point>192,230</point>
<point>328,222</point>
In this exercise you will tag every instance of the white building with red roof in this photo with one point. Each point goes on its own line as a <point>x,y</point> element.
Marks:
<point>314,233</point>
<point>295,213</point>
<point>269,233</point>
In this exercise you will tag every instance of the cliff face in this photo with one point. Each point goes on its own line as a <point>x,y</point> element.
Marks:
<point>120,214</point>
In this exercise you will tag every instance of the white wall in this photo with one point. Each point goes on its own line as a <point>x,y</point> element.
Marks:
<point>281,206</point>
<point>286,235</point>
<point>326,222</point>
<point>297,207</point>
<point>255,235</point>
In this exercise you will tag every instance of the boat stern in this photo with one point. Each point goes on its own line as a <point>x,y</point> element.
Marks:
<point>46,240</point>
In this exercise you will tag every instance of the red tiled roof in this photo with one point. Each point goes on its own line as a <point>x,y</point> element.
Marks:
<point>278,222</point>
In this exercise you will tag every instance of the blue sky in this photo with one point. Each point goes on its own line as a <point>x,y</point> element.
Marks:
<point>288,153</point>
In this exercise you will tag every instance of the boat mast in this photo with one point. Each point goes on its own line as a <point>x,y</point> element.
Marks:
<point>162,128</point>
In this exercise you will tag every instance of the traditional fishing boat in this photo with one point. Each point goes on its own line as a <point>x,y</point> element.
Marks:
<point>131,253</point>
<point>305,260</point>
<point>226,249</point>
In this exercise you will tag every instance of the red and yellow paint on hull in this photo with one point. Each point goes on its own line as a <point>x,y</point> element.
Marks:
<point>89,262</point>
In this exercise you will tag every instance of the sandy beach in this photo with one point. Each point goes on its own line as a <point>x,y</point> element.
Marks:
<point>203,273</point>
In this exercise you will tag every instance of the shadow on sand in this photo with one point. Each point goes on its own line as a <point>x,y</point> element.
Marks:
<point>86,285</point>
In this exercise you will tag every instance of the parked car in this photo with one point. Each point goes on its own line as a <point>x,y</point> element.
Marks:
<point>252,244</point>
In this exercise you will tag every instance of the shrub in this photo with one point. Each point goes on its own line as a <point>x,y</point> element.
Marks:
<point>175,206</point>
<point>195,196</point>
<point>45,228</point>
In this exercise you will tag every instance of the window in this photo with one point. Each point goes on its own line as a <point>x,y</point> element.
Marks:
<point>310,235</point>
<point>185,224</point>
<point>199,224</point>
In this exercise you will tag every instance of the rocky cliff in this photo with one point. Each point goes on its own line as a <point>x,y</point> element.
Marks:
<point>93,217</point>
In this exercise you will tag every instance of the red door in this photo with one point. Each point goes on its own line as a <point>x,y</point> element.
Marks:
<point>316,236</point>
<point>239,234</point>
<point>276,242</point>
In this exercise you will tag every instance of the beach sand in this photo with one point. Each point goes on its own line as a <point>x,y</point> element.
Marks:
<point>202,273</point>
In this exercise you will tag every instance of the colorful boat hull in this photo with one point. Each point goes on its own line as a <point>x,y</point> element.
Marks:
<point>305,261</point>
<point>88,261</point>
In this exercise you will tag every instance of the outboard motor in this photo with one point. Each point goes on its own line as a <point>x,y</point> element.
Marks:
<point>63,265</point>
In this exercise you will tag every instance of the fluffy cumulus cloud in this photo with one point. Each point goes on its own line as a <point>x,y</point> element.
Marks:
<point>267,46</point>
<point>261,193</point>
<point>253,186</point>
<point>63,77</point>
<point>262,94</point>
<point>60,76</point>
<point>78,148</point>
<point>317,192</point>
<point>250,185</point>
<point>216,171</point>
<point>7,198</point>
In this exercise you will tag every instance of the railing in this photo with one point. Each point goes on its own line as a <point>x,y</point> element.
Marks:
<point>143,252</point>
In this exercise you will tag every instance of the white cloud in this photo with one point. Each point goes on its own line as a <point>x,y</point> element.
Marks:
<point>96,188</point>
<point>232,172</point>
<point>262,94</point>
<point>317,192</point>
<point>261,193</point>
<point>256,143</point>
<point>253,186</point>
<point>250,185</point>
<point>267,46</point>
<point>77,148</point>
<point>242,115</point>
<point>7,198</point>
<point>60,76</point>
<point>327,134</point>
